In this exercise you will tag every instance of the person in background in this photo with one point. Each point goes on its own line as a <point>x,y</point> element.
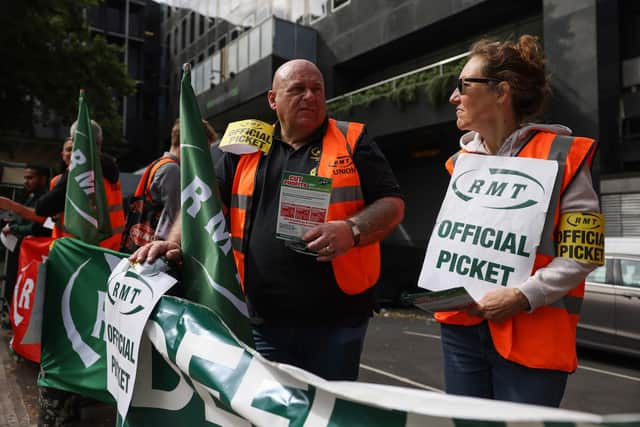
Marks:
<point>36,178</point>
<point>65,159</point>
<point>308,311</point>
<point>519,344</point>
<point>52,203</point>
<point>162,180</point>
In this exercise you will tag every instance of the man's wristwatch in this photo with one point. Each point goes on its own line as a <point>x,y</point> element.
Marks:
<point>355,231</point>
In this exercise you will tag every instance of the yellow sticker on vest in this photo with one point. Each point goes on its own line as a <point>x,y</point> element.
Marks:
<point>581,237</point>
<point>247,136</point>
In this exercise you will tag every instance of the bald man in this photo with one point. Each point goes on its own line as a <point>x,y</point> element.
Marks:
<point>308,311</point>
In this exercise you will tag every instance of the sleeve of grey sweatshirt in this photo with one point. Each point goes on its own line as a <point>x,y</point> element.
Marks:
<point>166,186</point>
<point>555,280</point>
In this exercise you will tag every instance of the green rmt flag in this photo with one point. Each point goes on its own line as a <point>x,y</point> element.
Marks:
<point>86,215</point>
<point>209,273</point>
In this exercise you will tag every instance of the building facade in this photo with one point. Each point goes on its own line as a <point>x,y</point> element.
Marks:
<point>134,25</point>
<point>390,64</point>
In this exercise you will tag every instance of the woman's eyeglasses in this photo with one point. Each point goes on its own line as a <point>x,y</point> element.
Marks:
<point>486,80</point>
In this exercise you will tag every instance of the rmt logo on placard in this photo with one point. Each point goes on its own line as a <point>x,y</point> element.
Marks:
<point>498,188</point>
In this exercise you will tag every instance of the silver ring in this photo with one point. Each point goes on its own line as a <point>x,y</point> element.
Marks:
<point>329,249</point>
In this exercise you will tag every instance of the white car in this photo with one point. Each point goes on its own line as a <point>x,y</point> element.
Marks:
<point>611,307</point>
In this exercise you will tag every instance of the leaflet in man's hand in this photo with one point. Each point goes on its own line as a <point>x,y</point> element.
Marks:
<point>304,202</point>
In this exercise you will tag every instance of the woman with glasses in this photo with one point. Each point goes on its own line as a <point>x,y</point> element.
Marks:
<point>518,344</point>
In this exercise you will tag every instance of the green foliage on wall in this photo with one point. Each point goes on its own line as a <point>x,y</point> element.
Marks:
<point>404,90</point>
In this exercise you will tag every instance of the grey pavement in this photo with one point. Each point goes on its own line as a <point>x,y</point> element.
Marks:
<point>19,394</point>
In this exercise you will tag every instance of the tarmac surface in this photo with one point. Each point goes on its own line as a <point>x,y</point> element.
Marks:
<point>19,394</point>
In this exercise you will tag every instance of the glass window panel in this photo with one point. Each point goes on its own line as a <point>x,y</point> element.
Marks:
<point>232,65</point>
<point>297,11</point>
<point>599,275</point>
<point>630,272</point>
<point>317,9</point>
<point>206,66</point>
<point>243,52</point>
<point>266,38</point>
<point>216,68</point>
<point>254,46</point>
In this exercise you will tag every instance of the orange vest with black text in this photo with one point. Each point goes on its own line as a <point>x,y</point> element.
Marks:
<point>546,338</point>
<point>113,193</point>
<point>356,270</point>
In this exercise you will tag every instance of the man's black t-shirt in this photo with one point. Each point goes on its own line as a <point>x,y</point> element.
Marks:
<point>284,285</point>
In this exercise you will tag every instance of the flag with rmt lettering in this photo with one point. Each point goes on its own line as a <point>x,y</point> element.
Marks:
<point>209,273</point>
<point>86,215</point>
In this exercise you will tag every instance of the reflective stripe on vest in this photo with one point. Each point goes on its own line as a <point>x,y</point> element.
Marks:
<point>359,268</point>
<point>545,338</point>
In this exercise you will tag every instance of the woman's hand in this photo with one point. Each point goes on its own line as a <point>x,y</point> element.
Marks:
<point>149,252</point>
<point>500,304</point>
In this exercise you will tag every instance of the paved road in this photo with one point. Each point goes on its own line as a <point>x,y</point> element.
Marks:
<point>403,348</point>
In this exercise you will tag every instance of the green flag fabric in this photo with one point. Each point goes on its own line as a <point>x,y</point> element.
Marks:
<point>86,215</point>
<point>73,354</point>
<point>209,274</point>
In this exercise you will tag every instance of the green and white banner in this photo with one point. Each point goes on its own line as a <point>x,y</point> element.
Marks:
<point>193,371</point>
<point>73,349</point>
<point>489,225</point>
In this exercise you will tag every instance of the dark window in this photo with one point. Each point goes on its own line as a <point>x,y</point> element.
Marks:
<point>211,50</point>
<point>201,30</point>
<point>338,3</point>
<point>175,41</point>
<point>183,39</point>
<point>192,28</point>
<point>222,42</point>
<point>629,29</point>
<point>631,128</point>
<point>234,34</point>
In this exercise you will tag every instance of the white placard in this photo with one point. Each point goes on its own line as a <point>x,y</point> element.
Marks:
<point>133,291</point>
<point>489,225</point>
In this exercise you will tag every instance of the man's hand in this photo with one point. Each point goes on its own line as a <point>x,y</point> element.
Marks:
<point>151,251</point>
<point>6,230</point>
<point>500,304</point>
<point>330,239</point>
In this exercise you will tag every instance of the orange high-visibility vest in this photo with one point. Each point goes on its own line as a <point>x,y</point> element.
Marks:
<point>359,268</point>
<point>545,338</point>
<point>147,177</point>
<point>54,181</point>
<point>113,193</point>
